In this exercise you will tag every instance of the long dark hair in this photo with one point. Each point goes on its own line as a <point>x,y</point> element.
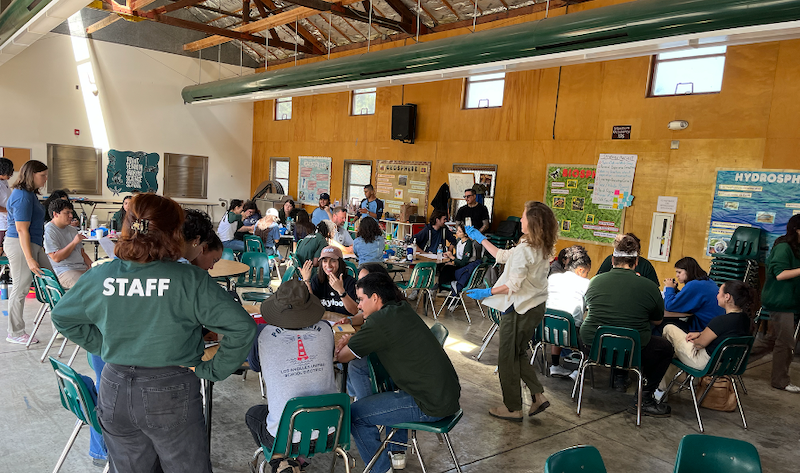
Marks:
<point>340,271</point>
<point>122,211</point>
<point>369,230</point>
<point>742,294</point>
<point>692,268</point>
<point>791,235</point>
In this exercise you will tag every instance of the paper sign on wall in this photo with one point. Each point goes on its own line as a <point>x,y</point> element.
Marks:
<point>313,179</point>
<point>614,176</point>
<point>667,204</point>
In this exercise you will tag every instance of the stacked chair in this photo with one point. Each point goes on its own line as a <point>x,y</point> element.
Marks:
<point>740,259</point>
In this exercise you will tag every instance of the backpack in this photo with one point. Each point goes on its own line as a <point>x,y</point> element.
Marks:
<point>508,229</point>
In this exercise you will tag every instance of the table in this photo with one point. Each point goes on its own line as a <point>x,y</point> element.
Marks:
<point>228,269</point>
<point>287,241</point>
<point>96,242</point>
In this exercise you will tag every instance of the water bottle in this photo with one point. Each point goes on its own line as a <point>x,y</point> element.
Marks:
<point>94,223</point>
<point>83,221</point>
<point>439,254</point>
<point>410,251</point>
<point>4,297</point>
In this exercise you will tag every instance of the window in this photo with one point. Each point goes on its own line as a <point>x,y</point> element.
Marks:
<point>185,176</point>
<point>364,101</point>
<point>279,171</point>
<point>485,91</point>
<point>76,168</point>
<point>283,108</point>
<point>698,71</point>
<point>485,174</point>
<point>357,174</point>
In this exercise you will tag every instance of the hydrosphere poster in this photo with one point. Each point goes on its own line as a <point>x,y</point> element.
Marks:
<point>764,198</point>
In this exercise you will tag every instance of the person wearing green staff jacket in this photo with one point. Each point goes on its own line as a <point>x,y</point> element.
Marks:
<point>143,314</point>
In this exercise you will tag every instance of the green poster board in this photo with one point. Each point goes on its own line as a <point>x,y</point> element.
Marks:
<point>132,171</point>
<point>568,191</point>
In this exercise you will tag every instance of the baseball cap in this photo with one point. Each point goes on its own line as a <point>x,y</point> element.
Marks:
<point>325,196</point>
<point>331,252</point>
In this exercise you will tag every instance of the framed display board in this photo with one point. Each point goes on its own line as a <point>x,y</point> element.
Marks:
<point>401,182</point>
<point>568,191</point>
<point>313,178</point>
<point>764,198</point>
<point>132,171</point>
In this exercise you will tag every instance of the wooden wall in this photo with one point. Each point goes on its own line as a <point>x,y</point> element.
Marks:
<point>750,124</point>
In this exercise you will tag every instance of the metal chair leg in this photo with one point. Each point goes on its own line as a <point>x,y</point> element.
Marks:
<point>63,346</point>
<point>639,400</point>
<point>466,311</point>
<point>48,347</point>
<point>581,376</point>
<point>261,384</point>
<point>380,451</point>
<point>37,322</point>
<point>741,381</point>
<point>739,403</point>
<point>694,401</point>
<point>575,385</point>
<point>344,456</point>
<point>452,452</point>
<point>74,354</point>
<point>489,336</point>
<point>67,447</point>
<point>416,448</point>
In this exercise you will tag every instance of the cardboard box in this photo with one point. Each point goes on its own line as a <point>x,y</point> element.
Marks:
<point>406,211</point>
<point>341,330</point>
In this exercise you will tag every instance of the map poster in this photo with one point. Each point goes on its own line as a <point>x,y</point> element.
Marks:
<point>313,179</point>
<point>402,182</point>
<point>764,198</point>
<point>131,171</point>
<point>568,191</point>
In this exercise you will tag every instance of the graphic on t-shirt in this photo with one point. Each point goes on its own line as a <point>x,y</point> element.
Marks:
<point>301,351</point>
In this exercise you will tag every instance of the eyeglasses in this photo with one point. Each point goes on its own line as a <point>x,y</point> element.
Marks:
<point>468,196</point>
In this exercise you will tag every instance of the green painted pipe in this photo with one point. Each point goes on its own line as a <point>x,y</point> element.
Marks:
<point>17,16</point>
<point>606,26</point>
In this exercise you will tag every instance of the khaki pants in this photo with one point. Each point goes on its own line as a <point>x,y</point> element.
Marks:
<point>780,341</point>
<point>513,362</point>
<point>22,278</point>
<point>67,279</point>
<point>685,352</point>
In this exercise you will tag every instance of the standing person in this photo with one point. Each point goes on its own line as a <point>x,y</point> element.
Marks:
<point>323,212</point>
<point>781,299</point>
<point>643,268</point>
<point>476,212</point>
<point>335,288</point>
<point>520,294</point>
<point>230,224</point>
<point>698,297</point>
<point>6,170</point>
<point>119,216</point>
<point>64,245</point>
<point>143,313</point>
<point>371,205</point>
<point>369,243</point>
<point>24,244</point>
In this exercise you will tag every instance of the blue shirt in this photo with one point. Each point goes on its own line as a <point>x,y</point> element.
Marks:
<point>369,252</point>
<point>376,207</point>
<point>23,206</point>
<point>698,297</point>
<point>319,215</point>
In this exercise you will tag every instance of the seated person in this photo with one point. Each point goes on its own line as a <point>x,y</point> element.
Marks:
<point>371,205</point>
<point>342,237</point>
<point>291,315</point>
<point>302,226</point>
<point>230,224</point>
<point>695,348</point>
<point>119,216</point>
<point>250,214</point>
<point>323,212</point>
<point>268,230</point>
<point>477,212</point>
<point>434,235</point>
<point>463,254</point>
<point>557,265</point>
<point>369,243</point>
<point>643,267</point>
<point>428,387</point>
<point>211,253</point>
<point>63,244</point>
<point>335,288</point>
<point>309,248</point>
<point>621,298</point>
<point>288,211</point>
<point>565,292</point>
<point>698,297</point>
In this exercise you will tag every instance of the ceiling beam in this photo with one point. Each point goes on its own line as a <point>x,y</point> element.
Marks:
<point>340,10</point>
<point>114,18</point>
<point>402,10</point>
<point>308,37</point>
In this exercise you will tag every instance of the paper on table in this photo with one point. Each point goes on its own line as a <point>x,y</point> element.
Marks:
<point>428,255</point>
<point>108,246</point>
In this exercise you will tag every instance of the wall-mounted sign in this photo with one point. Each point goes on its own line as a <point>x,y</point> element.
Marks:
<point>313,179</point>
<point>132,171</point>
<point>621,132</point>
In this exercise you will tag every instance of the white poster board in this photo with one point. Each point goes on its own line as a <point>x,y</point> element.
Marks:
<point>660,237</point>
<point>313,178</point>
<point>459,182</point>
<point>614,177</point>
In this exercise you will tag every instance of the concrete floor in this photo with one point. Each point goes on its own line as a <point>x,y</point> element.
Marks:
<point>35,427</point>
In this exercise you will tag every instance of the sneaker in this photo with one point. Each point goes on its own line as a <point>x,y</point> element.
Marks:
<point>661,396</point>
<point>99,462</point>
<point>398,460</point>
<point>413,295</point>
<point>792,389</point>
<point>21,340</point>
<point>574,375</point>
<point>557,371</point>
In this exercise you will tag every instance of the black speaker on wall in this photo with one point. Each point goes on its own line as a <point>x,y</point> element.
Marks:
<point>404,122</point>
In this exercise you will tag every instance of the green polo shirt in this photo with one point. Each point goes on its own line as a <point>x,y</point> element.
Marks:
<point>152,315</point>
<point>643,268</point>
<point>623,299</point>
<point>781,296</point>
<point>412,356</point>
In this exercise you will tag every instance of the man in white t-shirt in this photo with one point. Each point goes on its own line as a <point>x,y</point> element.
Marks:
<point>342,236</point>
<point>6,170</point>
<point>565,292</point>
<point>63,245</point>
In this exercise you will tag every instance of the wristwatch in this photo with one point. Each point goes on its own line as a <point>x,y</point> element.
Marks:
<point>342,294</point>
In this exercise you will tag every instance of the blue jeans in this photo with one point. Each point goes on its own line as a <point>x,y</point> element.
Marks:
<point>236,245</point>
<point>97,446</point>
<point>383,409</point>
<point>358,382</point>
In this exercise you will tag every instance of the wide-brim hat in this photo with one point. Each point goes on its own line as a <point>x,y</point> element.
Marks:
<point>292,306</point>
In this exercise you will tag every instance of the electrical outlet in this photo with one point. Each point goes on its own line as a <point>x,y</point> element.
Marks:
<point>674,144</point>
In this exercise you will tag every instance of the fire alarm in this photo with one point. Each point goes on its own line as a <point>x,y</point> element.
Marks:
<point>77,132</point>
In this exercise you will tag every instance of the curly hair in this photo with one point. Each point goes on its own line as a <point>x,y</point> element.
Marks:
<point>369,230</point>
<point>59,205</point>
<point>163,240</point>
<point>625,244</point>
<point>197,224</point>
<point>576,257</point>
<point>542,228</point>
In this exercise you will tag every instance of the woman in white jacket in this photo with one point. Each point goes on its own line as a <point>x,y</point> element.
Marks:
<point>520,294</point>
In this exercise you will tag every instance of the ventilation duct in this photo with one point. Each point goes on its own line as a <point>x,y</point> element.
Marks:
<point>625,30</point>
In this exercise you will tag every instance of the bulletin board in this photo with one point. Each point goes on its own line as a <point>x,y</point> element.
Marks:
<point>764,198</point>
<point>568,192</point>
<point>132,171</point>
<point>401,182</point>
<point>313,178</point>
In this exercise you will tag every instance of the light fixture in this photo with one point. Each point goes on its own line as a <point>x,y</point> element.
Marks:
<point>676,125</point>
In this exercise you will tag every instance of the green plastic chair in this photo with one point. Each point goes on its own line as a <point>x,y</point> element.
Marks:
<point>704,453</point>
<point>422,279</point>
<point>258,276</point>
<point>744,244</point>
<point>440,332</point>
<point>253,244</point>
<point>75,397</point>
<point>290,273</point>
<point>50,290</point>
<point>475,281</point>
<point>729,359</point>
<point>494,316</point>
<point>577,459</point>
<point>558,329</point>
<point>44,308</point>
<point>352,269</point>
<point>616,347</point>
<point>228,254</point>
<point>307,415</point>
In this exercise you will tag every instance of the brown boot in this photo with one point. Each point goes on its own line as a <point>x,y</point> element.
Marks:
<point>502,412</point>
<point>539,404</point>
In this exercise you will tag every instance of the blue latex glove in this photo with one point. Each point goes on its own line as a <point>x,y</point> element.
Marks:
<point>479,294</point>
<point>475,234</point>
